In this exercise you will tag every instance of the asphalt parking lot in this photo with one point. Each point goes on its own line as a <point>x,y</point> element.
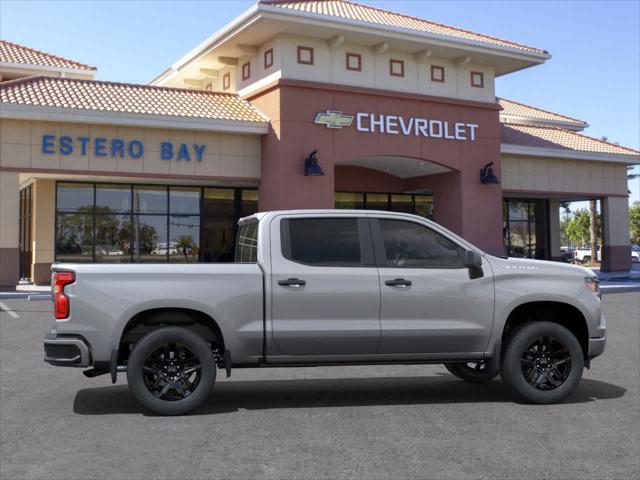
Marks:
<point>330,422</point>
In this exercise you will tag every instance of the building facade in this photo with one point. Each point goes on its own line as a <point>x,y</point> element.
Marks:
<point>294,104</point>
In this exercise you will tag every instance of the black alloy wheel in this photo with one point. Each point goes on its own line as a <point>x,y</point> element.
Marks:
<point>542,362</point>
<point>546,363</point>
<point>171,370</point>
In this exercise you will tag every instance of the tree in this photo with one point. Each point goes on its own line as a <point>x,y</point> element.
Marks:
<point>593,228</point>
<point>634,222</point>
<point>579,227</point>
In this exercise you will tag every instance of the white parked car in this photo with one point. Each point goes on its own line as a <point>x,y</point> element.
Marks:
<point>583,255</point>
<point>635,253</point>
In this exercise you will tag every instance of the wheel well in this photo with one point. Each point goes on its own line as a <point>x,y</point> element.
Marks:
<point>561,313</point>
<point>144,322</point>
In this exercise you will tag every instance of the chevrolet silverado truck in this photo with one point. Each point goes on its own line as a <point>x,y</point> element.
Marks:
<point>329,287</point>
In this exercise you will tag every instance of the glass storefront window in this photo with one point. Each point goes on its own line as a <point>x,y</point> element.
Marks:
<point>73,196</point>
<point>184,200</point>
<point>113,198</point>
<point>249,203</point>
<point>184,234</point>
<point>402,203</point>
<point>349,201</point>
<point>149,199</point>
<point>417,204</point>
<point>120,223</point>
<point>524,231</point>
<point>113,238</point>
<point>218,225</point>
<point>74,237</point>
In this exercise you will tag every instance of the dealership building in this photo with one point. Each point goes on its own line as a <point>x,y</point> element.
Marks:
<point>294,104</point>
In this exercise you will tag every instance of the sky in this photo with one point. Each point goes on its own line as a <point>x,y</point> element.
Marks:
<point>593,75</point>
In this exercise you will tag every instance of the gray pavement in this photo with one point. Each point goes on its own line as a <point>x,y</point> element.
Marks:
<point>334,422</point>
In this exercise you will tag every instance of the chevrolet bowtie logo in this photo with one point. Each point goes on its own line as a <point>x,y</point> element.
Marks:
<point>334,119</point>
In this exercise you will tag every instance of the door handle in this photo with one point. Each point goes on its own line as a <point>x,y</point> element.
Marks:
<point>292,282</point>
<point>398,282</point>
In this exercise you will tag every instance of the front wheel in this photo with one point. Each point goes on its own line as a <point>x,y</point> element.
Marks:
<point>474,372</point>
<point>171,370</point>
<point>543,363</point>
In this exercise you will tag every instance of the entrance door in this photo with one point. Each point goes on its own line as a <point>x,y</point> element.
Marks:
<point>429,305</point>
<point>325,287</point>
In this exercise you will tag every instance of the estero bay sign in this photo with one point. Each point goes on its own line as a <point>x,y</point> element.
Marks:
<point>399,125</point>
<point>116,147</point>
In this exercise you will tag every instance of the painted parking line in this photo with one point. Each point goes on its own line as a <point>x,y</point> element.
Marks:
<point>4,308</point>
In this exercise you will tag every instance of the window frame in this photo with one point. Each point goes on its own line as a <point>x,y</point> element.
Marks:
<point>480,75</point>
<point>380,252</point>
<point>393,61</point>
<point>367,257</point>
<point>268,58</point>
<point>302,48</point>
<point>226,81</point>
<point>357,56</point>
<point>439,68</point>
<point>246,71</point>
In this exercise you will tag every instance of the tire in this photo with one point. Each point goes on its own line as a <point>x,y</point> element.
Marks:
<point>543,363</point>
<point>474,372</point>
<point>171,370</point>
<point>586,259</point>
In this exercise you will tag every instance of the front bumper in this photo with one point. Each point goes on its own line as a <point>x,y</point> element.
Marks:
<point>596,346</point>
<point>67,351</point>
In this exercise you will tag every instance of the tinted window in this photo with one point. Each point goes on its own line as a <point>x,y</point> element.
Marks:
<point>247,245</point>
<point>323,241</point>
<point>411,245</point>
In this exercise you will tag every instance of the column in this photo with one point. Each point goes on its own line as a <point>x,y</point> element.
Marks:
<point>9,222</point>
<point>616,249</point>
<point>554,231</point>
<point>44,201</point>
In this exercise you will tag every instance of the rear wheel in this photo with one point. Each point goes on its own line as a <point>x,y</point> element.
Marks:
<point>543,363</point>
<point>475,372</point>
<point>586,259</point>
<point>171,370</point>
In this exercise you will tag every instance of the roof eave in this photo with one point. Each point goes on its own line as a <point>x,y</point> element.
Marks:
<point>511,149</point>
<point>260,10</point>
<point>75,115</point>
<point>575,126</point>
<point>48,68</point>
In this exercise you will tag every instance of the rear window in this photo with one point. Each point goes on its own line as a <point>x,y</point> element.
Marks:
<point>247,245</point>
<point>331,242</point>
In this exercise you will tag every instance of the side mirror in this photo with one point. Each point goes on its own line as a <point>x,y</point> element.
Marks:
<point>473,261</point>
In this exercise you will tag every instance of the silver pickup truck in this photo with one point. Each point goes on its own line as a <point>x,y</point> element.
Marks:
<point>329,287</point>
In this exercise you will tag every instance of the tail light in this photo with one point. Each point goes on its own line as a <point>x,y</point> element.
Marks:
<point>60,300</point>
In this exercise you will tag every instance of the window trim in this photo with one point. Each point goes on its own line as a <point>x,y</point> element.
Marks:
<point>358,56</point>
<point>268,55</point>
<point>435,68</point>
<point>367,257</point>
<point>226,81</point>
<point>399,62</point>
<point>246,71</point>
<point>480,75</point>
<point>379,250</point>
<point>308,49</point>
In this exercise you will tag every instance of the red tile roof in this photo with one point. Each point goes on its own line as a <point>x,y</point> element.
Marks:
<point>354,11</point>
<point>127,98</point>
<point>14,53</point>
<point>517,109</point>
<point>559,139</point>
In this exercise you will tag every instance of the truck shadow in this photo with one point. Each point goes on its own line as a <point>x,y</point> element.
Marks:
<point>231,396</point>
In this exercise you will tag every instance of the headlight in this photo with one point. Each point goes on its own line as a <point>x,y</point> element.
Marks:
<point>593,284</point>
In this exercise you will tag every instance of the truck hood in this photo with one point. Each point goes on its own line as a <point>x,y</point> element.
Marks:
<point>502,266</point>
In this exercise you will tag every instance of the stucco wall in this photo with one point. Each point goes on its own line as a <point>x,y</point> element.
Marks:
<point>9,221</point>
<point>537,174</point>
<point>329,66</point>
<point>226,155</point>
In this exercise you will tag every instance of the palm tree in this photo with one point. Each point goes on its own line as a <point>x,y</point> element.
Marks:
<point>593,230</point>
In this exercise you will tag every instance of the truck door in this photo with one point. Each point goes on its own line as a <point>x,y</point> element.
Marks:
<point>429,303</point>
<point>324,286</point>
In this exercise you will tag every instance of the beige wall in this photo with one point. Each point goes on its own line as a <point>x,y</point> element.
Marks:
<point>330,67</point>
<point>9,209</point>
<point>44,201</point>
<point>226,154</point>
<point>533,174</point>
<point>616,221</point>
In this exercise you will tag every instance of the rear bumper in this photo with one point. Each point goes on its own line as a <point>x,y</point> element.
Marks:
<point>66,351</point>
